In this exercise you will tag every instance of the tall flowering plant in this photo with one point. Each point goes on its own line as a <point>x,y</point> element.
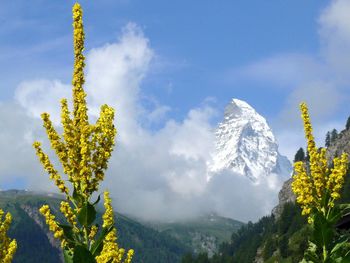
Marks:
<point>317,185</point>
<point>8,247</point>
<point>83,150</point>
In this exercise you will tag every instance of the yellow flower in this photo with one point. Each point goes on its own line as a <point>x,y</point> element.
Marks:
<point>313,181</point>
<point>93,232</point>
<point>7,246</point>
<point>111,252</point>
<point>68,213</point>
<point>108,219</point>
<point>50,221</point>
<point>83,149</point>
<point>48,166</point>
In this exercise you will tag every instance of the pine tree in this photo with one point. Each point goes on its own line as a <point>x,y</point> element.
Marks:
<point>334,135</point>
<point>83,150</point>
<point>328,139</point>
<point>300,155</point>
<point>347,126</point>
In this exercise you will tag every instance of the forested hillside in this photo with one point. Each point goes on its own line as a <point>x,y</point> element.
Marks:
<point>37,245</point>
<point>170,240</point>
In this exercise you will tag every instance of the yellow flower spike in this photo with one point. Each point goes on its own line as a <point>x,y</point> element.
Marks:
<point>44,159</point>
<point>68,213</point>
<point>79,102</point>
<point>69,139</point>
<point>108,216</point>
<point>129,256</point>
<point>302,187</point>
<point>110,250</point>
<point>337,177</point>
<point>50,221</point>
<point>311,184</point>
<point>10,252</point>
<point>93,232</point>
<point>83,150</point>
<point>56,142</point>
<point>7,246</point>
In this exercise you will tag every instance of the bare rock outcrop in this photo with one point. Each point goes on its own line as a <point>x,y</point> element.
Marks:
<point>285,195</point>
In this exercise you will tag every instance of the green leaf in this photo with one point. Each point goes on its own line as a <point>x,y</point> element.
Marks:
<point>68,258</point>
<point>334,215</point>
<point>83,255</point>
<point>346,259</point>
<point>345,209</point>
<point>323,231</point>
<point>78,198</point>
<point>87,214</point>
<point>67,232</point>
<point>310,254</point>
<point>98,200</point>
<point>98,245</point>
<point>325,199</point>
<point>339,246</point>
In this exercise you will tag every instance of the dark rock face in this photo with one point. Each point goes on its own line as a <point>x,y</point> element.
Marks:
<point>285,195</point>
<point>340,145</point>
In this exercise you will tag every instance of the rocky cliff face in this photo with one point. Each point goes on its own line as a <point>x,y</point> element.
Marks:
<point>285,195</point>
<point>246,145</point>
<point>32,212</point>
<point>337,147</point>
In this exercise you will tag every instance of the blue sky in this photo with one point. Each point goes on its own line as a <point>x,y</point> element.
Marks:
<point>169,68</point>
<point>197,44</point>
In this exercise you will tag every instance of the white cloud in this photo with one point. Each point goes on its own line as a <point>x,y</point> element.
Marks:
<point>38,96</point>
<point>234,196</point>
<point>18,163</point>
<point>323,101</point>
<point>153,174</point>
<point>330,64</point>
<point>283,70</point>
<point>335,36</point>
<point>322,98</point>
<point>161,174</point>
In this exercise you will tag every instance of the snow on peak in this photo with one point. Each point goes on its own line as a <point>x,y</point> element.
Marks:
<point>246,145</point>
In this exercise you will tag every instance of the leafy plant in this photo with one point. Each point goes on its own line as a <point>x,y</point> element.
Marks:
<point>83,150</point>
<point>317,186</point>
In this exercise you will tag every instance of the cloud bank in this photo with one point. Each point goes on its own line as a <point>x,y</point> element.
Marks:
<point>160,174</point>
<point>153,174</point>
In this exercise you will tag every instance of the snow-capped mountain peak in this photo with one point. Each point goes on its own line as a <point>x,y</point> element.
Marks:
<point>246,145</point>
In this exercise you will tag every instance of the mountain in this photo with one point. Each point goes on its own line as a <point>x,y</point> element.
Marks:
<point>36,244</point>
<point>153,242</point>
<point>246,145</point>
<point>202,234</point>
<point>283,235</point>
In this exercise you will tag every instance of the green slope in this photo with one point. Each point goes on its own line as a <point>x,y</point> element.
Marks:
<point>35,244</point>
<point>269,240</point>
<point>202,234</point>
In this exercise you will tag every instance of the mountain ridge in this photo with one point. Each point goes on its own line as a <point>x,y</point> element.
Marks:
<point>170,241</point>
<point>37,245</point>
<point>246,145</point>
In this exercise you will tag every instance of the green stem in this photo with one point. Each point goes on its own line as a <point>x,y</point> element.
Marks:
<point>325,254</point>
<point>86,237</point>
<point>72,200</point>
